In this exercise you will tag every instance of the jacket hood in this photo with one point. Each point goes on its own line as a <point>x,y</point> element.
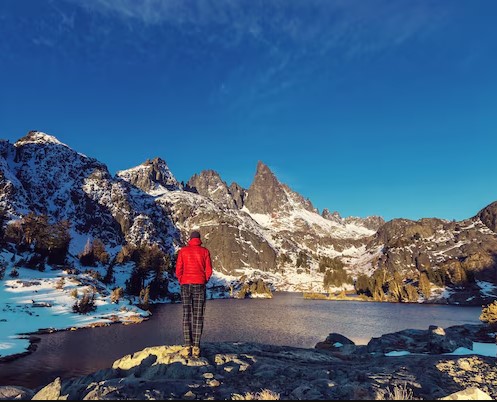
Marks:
<point>195,242</point>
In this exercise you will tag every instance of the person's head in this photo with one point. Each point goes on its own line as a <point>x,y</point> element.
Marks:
<point>195,235</point>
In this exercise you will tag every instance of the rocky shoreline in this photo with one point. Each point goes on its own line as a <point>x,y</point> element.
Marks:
<point>335,369</point>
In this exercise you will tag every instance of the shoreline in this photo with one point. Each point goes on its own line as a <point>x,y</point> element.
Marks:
<point>34,340</point>
<point>325,297</point>
<point>334,369</point>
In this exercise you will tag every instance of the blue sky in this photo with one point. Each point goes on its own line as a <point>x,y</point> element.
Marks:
<point>366,107</point>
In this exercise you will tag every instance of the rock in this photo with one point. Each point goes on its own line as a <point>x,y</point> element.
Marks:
<point>189,395</point>
<point>337,343</point>
<point>470,394</point>
<point>209,184</point>
<point>214,383</point>
<point>420,341</point>
<point>9,392</point>
<point>305,392</point>
<point>157,355</point>
<point>228,368</point>
<point>51,392</point>
<point>255,289</point>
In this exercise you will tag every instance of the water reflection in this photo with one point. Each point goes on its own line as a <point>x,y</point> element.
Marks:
<point>287,319</point>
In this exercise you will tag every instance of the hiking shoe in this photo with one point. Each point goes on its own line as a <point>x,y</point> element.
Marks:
<point>187,351</point>
<point>196,352</point>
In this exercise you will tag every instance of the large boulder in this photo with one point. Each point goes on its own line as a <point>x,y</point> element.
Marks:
<point>51,392</point>
<point>470,394</point>
<point>337,343</point>
<point>9,392</point>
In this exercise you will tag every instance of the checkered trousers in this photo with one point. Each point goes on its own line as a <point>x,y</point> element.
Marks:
<point>193,298</point>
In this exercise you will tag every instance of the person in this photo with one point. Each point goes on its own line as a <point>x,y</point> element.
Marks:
<point>193,270</point>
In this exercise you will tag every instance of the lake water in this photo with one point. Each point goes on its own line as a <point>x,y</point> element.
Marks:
<point>287,319</point>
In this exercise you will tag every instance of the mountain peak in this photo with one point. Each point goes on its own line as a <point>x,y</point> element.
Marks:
<point>38,137</point>
<point>262,168</point>
<point>153,175</point>
<point>209,183</point>
<point>157,161</point>
<point>266,194</point>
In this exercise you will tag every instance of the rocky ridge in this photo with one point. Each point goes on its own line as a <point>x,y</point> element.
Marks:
<point>268,228</point>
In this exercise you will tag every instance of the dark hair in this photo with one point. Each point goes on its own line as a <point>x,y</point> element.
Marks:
<point>195,235</point>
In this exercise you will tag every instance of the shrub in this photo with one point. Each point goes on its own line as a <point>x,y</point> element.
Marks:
<point>398,393</point>
<point>86,304</point>
<point>93,253</point>
<point>60,284</point>
<point>263,395</point>
<point>14,273</point>
<point>74,293</point>
<point>489,315</point>
<point>116,295</point>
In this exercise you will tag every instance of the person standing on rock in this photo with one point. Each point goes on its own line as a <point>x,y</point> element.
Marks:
<point>193,270</point>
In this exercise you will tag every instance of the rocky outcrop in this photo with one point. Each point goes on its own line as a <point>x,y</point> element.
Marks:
<point>266,194</point>
<point>331,216</point>
<point>433,341</point>
<point>488,216</point>
<point>470,394</point>
<point>51,392</point>
<point>9,393</point>
<point>209,184</point>
<point>238,193</point>
<point>230,370</point>
<point>370,222</point>
<point>337,343</point>
<point>153,175</point>
<point>459,255</point>
<point>253,289</point>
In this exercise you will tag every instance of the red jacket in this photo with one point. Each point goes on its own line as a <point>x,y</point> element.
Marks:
<point>193,265</point>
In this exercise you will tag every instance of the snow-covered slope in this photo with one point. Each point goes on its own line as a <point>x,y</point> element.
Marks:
<point>40,174</point>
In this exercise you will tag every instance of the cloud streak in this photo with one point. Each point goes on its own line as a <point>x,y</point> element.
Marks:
<point>322,25</point>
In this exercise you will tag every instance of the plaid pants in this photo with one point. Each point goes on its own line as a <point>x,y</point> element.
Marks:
<point>193,298</point>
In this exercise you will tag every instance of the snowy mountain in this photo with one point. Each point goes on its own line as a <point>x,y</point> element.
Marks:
<point>267,230</point>
<point>462,254</point>
<point>40,174</point>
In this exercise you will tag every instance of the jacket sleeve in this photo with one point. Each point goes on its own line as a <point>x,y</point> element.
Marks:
<point>179,266</point>
<point>208,266</point>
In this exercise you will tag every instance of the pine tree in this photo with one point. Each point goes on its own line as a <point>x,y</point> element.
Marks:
<point>363,285</point>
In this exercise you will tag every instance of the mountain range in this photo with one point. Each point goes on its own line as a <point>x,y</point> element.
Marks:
<point>267,230</point>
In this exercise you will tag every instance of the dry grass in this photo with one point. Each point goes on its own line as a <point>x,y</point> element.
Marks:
<point>264,395</point>
<point>397,393</point>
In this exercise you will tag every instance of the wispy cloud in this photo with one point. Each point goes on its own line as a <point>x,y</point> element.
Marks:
<point>365,26</point>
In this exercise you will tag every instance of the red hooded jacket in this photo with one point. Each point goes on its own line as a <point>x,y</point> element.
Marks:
<point>193,266</point>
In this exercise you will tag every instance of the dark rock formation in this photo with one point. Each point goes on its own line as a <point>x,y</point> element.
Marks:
<point>488,216</point>
<point>152,175</point>
<point>266,194</point>
<point>337,343</point>
<point>209,184</point>
<point>238,194</point>
<point>254,289</point>
<point>433,341</point>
